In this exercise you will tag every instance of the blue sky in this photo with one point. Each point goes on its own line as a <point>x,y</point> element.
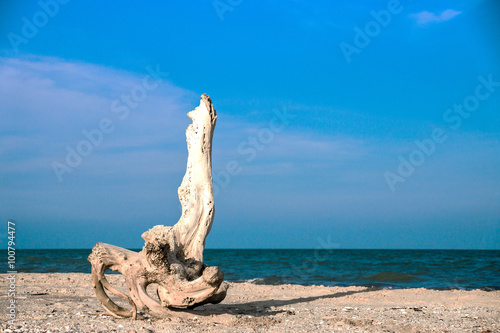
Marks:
<point>367,125</point>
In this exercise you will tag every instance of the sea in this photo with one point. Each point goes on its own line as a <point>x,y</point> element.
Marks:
<point>384,269</point>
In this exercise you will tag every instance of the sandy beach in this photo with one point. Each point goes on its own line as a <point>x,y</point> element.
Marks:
<point>61,302</point>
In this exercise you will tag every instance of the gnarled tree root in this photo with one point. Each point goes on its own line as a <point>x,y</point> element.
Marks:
<point>172,257</point>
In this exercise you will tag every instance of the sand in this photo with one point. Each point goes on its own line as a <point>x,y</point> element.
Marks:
<point>60,302</point>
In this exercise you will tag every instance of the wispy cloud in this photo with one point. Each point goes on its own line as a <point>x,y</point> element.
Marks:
<point>48,102</point>
<point>426,18</point>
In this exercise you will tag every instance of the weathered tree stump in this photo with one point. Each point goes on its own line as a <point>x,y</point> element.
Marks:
<point>172,257</point>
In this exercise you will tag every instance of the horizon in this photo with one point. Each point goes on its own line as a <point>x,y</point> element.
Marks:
<point>372,125</point>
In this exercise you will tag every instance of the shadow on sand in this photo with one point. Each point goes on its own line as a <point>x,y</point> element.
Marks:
<point>263,308</point>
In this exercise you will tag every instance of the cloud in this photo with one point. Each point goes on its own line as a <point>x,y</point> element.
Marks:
<point>425,18</point>
<point>47,103</point>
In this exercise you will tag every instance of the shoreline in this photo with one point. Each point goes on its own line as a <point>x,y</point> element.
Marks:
<point>373,287</point>
<point>65,302</point>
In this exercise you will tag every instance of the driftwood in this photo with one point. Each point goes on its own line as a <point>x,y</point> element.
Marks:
<point>172,257</point>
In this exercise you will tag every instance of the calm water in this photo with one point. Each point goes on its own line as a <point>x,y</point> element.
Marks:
<point>437,269</point>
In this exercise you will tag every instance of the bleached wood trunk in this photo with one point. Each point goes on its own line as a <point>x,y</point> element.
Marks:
<point>172,257</point>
